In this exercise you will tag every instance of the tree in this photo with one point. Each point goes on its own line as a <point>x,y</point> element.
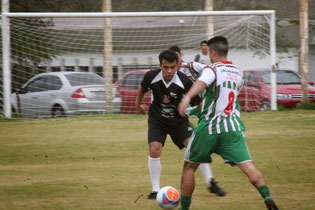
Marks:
<point>304,48</point>
<point>56,6</point>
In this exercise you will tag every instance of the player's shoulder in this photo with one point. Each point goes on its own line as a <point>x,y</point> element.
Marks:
<point>226,67</point>
<point>209,67</point>
<point>224,64</point>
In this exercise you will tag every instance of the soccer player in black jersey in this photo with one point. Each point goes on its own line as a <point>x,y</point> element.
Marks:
<point>168,87</point>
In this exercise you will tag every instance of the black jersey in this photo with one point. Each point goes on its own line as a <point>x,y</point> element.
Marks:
<point>166,96</point>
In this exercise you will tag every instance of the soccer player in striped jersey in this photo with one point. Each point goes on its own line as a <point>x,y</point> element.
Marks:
<point>220,129</point>
<point>193,70</point>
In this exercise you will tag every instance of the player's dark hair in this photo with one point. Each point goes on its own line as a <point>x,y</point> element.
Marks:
<point>176,49</point>
<point>169,56</point>
<point>219,44</point>
<point>203,42</point>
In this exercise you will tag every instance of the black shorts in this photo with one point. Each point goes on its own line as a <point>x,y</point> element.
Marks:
<point>178,133</point>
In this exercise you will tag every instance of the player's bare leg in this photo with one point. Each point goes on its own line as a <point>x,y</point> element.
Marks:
<point>154,164</point>
<point>257,179</point>
<point>206,172</point>
<point>253,174</point>
<point>187,184</point>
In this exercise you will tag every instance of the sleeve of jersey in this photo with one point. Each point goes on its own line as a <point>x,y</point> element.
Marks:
<point>197,66</point>
<point>145,83</point>
<point>207,76</point>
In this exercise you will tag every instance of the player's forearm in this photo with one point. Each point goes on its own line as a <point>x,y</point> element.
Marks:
<point>139,97</point>
<point>193,91</point>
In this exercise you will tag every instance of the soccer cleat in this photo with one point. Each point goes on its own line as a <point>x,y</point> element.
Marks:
<point>270,204</point>
<point>215,188</point>
<point>152,195</point>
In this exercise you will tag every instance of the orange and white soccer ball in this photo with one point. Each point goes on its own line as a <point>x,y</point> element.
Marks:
<point>168,197</point>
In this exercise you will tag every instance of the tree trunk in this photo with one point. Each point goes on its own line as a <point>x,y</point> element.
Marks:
<point>209,7</point>
<point>108,49</point>
<point>304,48</point>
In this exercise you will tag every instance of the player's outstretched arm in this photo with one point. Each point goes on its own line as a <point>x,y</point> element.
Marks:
<point>197,88</point>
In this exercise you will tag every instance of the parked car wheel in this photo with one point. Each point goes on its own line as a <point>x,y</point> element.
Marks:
<point>265,105</point>
<point>57,111</point>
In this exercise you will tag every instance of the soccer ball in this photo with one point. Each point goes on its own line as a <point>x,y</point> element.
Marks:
<point>168,197</point>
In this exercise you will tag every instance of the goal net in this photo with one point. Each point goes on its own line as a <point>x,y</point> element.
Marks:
<point>74,51</point>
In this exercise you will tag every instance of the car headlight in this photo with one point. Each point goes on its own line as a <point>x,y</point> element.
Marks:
<point>283,96</point>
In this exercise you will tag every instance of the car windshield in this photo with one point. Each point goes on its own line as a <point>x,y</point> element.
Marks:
<point>84,79</point>
<point>283,77</point>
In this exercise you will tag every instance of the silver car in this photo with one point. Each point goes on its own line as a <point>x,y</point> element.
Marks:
<point>58,94</point>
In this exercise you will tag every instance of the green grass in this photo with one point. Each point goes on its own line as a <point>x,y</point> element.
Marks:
<point>100,162</point>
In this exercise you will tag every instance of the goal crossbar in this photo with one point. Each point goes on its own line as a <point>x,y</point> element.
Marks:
<point>140,14</point>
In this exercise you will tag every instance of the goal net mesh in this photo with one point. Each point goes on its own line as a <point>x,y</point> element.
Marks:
<point>43,45</point>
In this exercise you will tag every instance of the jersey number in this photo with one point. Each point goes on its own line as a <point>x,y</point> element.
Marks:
<point>229,107</point>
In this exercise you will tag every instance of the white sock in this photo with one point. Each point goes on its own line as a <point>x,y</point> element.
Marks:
<point>155,172</point>
<point>206,172</point>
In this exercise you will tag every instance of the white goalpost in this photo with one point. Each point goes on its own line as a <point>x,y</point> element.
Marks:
<point>34,43</point>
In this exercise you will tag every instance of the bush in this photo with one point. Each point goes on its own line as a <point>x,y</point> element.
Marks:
<point>307,105</point>
<point>282,108</point>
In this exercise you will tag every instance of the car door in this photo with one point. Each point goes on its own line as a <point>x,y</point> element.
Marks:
<point>38,95</point>
<point>129,88</point>
<point>50,93</point>
<point>28,97</point>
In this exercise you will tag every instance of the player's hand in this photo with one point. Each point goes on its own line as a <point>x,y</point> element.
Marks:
<point>143,109</point>
<point>183,105</point>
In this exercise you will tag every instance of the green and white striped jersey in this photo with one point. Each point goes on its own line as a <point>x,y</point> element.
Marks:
<point>220,110</point>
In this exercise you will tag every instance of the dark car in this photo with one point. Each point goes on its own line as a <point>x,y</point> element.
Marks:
<point>255,94</point>
<point>126,91</point>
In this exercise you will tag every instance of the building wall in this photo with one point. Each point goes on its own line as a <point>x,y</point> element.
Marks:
<point>245,59</point>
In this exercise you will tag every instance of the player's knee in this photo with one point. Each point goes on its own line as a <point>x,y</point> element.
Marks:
<point>188,166</point>
<point>155,153</point>
<point>259,175</point>
<point>256,178</point>
<point>155,150</point>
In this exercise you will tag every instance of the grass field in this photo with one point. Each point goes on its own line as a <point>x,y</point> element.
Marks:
<point>100,162</point>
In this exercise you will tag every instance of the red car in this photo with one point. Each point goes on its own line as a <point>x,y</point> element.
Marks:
<point>255,94</point>
<point>126,92</point>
